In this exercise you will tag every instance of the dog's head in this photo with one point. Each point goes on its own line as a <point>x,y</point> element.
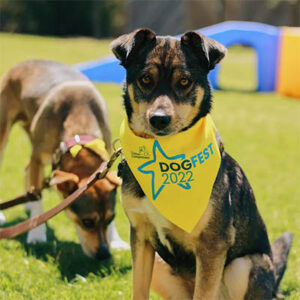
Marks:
<point>167,89</point>
<point>94,210</point>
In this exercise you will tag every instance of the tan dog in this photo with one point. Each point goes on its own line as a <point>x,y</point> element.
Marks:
<point>56,103</point>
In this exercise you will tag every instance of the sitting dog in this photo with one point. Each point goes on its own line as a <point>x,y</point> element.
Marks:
<point>226,254</point>
<point>66,118</point>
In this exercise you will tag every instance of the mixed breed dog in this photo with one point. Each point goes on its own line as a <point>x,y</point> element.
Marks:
<point>227,255</point>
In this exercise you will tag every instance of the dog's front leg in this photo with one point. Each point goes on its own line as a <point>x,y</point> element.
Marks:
<point>115,242</point>
<point>34,181</point>
<point>209,270</point>
<point>2,218</point>
<point>142,264</point>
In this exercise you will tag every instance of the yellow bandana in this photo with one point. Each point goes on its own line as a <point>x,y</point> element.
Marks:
<point>97,145</point>
<point>176,173</point>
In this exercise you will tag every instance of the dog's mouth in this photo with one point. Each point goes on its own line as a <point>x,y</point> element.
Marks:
<point>153,132</point>
<point>143,134</point>
<point>161,133</point>
<point>150,133</point>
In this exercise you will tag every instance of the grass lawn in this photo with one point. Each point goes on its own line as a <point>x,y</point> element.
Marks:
<point>262,131</point>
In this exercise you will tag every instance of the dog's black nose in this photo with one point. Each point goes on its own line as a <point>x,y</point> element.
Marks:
<point>160,121</point>
<point>103,253</point>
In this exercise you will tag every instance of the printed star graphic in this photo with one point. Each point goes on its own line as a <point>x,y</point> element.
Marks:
<point>158,181</point>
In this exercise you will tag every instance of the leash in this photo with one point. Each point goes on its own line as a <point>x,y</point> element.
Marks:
<point>24,198</point>
<point>33,222</point>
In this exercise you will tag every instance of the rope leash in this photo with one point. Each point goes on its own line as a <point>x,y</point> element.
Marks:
<point>33,222</point>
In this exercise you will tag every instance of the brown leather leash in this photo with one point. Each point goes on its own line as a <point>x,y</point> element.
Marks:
<point>33,222</point>
<point>27,197</point>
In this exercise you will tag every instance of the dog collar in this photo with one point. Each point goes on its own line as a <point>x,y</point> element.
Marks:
<point>176,173</point>
<point>76,143</point>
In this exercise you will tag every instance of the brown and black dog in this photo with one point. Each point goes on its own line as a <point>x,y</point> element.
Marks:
<point>59,107</point>
<point>228,254</point>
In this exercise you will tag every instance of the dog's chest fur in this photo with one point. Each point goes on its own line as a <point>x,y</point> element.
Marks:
<point>173,244</point>
<point>162,234</point>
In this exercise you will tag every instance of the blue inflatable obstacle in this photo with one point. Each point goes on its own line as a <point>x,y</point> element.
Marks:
<point>263,38</point>
<point>106,69</point>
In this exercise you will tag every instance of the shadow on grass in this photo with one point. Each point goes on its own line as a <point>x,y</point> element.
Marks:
<point>238,90</point>
<point>68,256</point>
<point>71,260</point>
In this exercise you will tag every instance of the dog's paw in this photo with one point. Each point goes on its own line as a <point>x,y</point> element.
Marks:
<point>2,218</point>
<point>119,245</point>
<point>115,242</point>
<point>37,235</point>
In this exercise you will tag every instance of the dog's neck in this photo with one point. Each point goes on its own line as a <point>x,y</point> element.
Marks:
<point>76,139</point>
<point>85,152</point>
<point>83,165</point>
<point>76,123</point>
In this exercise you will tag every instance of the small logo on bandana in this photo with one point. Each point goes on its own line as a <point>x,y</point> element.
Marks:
<point>142,153</point>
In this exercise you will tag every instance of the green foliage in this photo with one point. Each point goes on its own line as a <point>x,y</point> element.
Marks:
<point>62,18</point>
<point>261,131</point>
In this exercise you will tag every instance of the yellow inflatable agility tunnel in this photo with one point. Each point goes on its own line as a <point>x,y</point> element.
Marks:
<point>288,76</point>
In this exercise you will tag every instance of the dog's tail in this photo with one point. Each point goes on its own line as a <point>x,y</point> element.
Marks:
<point>280,250</point>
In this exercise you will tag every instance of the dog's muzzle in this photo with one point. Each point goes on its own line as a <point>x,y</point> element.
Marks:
<point>103,253</point>
<point>160,121</point>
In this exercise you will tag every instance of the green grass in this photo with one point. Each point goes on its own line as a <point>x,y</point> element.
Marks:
<point>261,131</point>
<point>240,63</point>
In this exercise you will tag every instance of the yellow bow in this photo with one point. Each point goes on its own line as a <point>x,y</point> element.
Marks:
<point>97,145</point>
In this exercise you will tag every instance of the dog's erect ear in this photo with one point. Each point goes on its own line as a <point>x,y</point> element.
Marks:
<point>66,182</point>
<point>113,178</point>
<point>210,52</point>
<point>127,46</point>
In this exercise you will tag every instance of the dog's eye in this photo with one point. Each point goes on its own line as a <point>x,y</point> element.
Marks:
<point>88,223</point>
<point>146,79</point>
<point>184,82</point>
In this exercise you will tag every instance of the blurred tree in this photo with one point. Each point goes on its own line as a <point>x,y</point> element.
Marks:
<point>99,18</point>
<point>105,18</point>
